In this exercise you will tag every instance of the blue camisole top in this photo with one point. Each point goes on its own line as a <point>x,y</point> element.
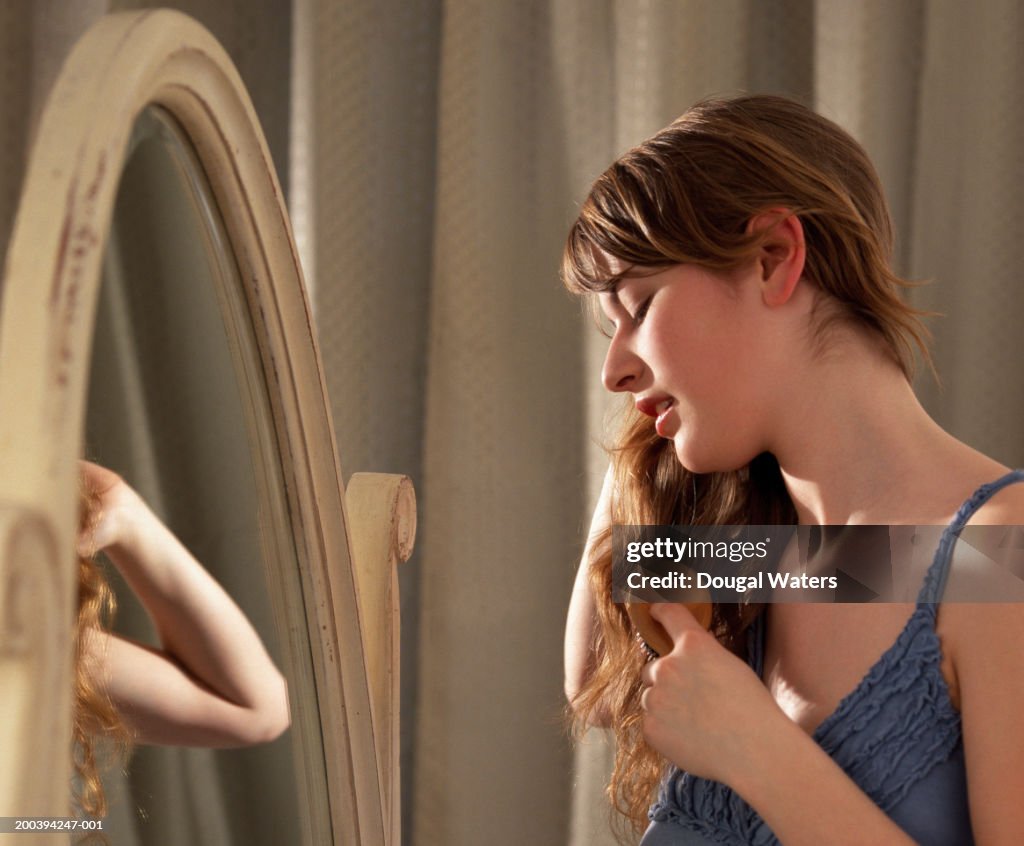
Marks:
<point>897,735</point>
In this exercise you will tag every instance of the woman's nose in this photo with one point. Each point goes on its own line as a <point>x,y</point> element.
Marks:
<point>622,367</point>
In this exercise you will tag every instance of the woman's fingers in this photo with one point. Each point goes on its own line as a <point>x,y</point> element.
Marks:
<point>647,673</point>
<point>675,618</point>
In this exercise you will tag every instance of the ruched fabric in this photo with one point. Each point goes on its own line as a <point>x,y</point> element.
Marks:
<point>896,734</point>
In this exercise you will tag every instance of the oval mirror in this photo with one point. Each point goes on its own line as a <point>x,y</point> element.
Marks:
<point>204,390</point>
<point>164,409</point>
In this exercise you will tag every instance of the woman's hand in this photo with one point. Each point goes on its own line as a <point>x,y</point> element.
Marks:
<point>704,709</point>
<point>211,681</point>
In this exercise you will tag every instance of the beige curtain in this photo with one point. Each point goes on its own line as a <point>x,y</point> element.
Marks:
<point>533,99</point>
<point>436,152</point>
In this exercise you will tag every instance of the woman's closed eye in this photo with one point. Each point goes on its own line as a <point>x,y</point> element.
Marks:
<point>638,316</point>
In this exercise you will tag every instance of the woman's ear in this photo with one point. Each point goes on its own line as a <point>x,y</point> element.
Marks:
<point>781,257</point>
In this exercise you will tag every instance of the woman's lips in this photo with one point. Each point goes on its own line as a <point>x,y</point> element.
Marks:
<point>659,408</point>
<point>661,423</point>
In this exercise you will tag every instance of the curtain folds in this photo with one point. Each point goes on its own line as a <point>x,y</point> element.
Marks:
<point>438,152</point>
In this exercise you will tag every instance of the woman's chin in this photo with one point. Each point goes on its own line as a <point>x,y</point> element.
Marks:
<point>705,461</point>
<point>688,457</point>
<point>687,452</point>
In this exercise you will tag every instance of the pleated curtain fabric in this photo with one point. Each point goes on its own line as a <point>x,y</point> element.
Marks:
<point>437,152</point>
<point>559,89</point>
<point>966,207</point>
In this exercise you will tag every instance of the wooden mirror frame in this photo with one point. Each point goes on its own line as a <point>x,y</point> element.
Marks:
<point>125,63</point>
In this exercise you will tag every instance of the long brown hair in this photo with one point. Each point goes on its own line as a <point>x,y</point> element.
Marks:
<point>686,196</point>
<point>94,714</point>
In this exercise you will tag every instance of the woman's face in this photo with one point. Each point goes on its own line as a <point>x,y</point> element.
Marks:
<point>702,354</point>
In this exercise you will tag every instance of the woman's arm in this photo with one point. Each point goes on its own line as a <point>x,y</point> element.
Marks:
<point>581,625</point>
<point>211,683</point>
<point>984,642</point>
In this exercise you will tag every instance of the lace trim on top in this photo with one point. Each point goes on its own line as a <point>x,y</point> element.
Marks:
<point>887,734</point>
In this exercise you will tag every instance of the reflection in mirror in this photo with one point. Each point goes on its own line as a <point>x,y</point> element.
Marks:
<point>167,411</point>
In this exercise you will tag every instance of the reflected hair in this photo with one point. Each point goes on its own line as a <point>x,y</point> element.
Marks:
<point>686,196</point>
<point>95,719</point>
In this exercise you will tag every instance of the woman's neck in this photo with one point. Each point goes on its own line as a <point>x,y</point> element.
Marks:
<point>861,449</point>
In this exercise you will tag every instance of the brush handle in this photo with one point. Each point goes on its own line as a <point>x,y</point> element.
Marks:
<point>653,633</point>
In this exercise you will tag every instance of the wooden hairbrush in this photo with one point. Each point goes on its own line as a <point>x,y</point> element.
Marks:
<point>652,634</point>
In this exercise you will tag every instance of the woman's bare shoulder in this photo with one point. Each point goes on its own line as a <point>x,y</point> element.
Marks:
<point>985,640</point>
<point>981,619</point>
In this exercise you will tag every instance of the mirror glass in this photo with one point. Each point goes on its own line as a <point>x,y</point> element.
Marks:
<point>172,400</point>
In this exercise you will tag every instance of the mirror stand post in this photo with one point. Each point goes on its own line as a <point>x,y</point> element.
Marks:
<point>381,510</point>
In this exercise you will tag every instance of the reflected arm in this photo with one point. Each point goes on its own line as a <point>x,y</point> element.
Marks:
<point>211,683</point>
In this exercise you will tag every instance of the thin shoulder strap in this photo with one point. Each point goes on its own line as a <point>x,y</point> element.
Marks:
<point>938,572</point>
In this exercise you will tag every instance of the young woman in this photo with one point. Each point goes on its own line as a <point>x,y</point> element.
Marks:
<point>211,682</point>
<point>742,256</point>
